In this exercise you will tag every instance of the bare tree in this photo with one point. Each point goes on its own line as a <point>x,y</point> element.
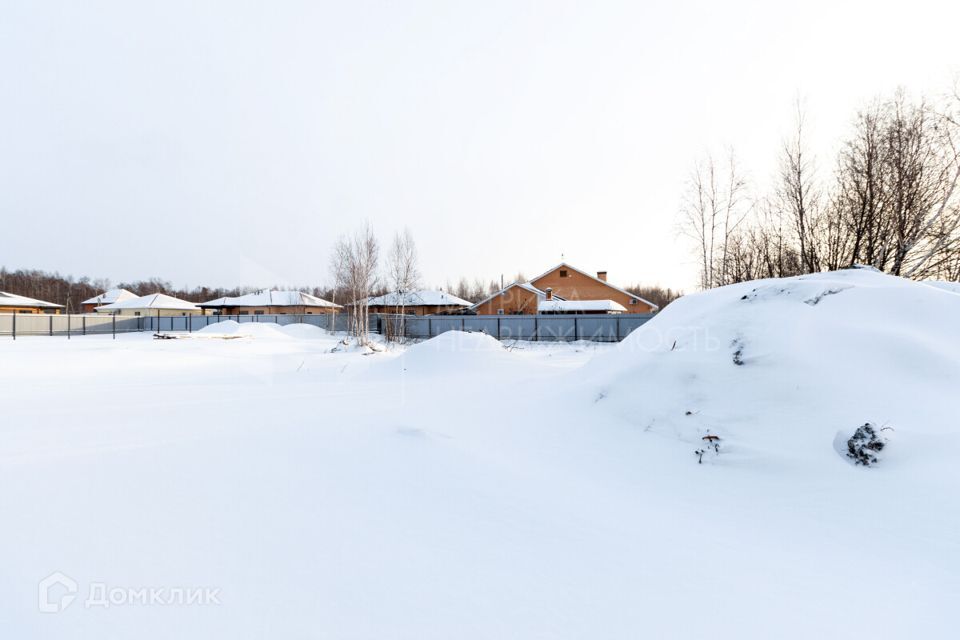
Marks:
<point>895,205</point>
<point>713,209</point>
<point>798,195</point>
<point>353,265</point>
<point>897,188</point>
<point>940,235</point>
<point>403,271</point>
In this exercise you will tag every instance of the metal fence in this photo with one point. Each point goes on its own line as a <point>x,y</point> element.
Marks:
<point>553,328</point>
<point>556,328</point>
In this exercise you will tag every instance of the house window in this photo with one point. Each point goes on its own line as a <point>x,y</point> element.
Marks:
<point>258,312</point>
<point>136,313</point>
<point>243,313</point>
<point>563,273</point>
<point>499,312</point>
<point>633,301</point>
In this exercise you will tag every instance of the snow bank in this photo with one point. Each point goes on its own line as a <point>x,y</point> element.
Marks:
<point>265,330</point>
<point>779,368</point>
<point>453,352</point>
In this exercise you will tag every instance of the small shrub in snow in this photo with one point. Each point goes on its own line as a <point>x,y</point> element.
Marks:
<point>737,345</point>
<point>711,445</point>
<point>865,444</point>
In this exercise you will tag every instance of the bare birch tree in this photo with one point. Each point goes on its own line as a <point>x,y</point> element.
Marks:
<point>353,265</point>
<point>403,272</point>
<point>713,209</point>
<point>798,195</point>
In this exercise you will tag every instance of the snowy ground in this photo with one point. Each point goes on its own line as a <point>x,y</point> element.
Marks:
<point>457,489</point>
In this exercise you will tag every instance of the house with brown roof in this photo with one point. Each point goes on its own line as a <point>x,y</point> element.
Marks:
<point>563,289</point>
<point>424,302</point>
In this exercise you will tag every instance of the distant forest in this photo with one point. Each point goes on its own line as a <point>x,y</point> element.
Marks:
<point>70,292</point>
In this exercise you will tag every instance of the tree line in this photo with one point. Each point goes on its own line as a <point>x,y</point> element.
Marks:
<point>890,201</point>
<point>71,292</point>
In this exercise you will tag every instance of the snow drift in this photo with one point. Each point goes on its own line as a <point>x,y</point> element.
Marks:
<point>777,368</point>
<point>264,330</point>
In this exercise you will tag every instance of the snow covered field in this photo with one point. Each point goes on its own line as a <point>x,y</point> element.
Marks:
<point>457,489</point>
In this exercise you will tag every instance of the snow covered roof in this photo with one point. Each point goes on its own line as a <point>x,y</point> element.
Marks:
<point>111,296</point>
<point>580,306</point>
<point>152,301</point>
<point>271,299</point>
<point>421,298</point>
<point>523,285</point>
<point>593,277</point>
<point>13,300</point>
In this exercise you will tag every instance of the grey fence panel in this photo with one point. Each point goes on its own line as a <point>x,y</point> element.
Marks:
<point>442,324</point>
<point>598,328</point>
<point>481,324</point>
<point>92,325</point>
<point>31,324</point>
<point>417,327</point>
<point>629,323</point>
<point>557,329</point>
<point>518,327</point>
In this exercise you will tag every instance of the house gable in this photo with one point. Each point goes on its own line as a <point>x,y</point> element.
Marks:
<point>516,298</point>
<point>574,284</point>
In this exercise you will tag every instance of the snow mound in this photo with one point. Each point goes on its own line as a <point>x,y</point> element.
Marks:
<point>775,368</point>
<point>458,342</point>
<point>268,330</point>
<point>245,329</point>
<point>454,351</point>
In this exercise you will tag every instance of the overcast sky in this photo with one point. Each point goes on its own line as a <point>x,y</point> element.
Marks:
<point>230,143</point>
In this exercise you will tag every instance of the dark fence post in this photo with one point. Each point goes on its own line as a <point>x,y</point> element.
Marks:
<point>618,330</point>
<point>84,325</point>
<point>536,329</point>
<point>51,324</point>
<point>429,327</point>
<point>14,326</point>
<point>114,324</point>
<point>68,326</point>
<point>498,327</point>
<point>189,324</point>
<point>576,328</point>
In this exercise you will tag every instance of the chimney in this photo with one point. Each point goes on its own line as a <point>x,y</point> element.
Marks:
<point>549,293</point>
<point>602,275</point>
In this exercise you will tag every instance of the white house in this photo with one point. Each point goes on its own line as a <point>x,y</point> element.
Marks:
<point>155,304</point>
<point>107,297</point>
<point>271,302</point>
